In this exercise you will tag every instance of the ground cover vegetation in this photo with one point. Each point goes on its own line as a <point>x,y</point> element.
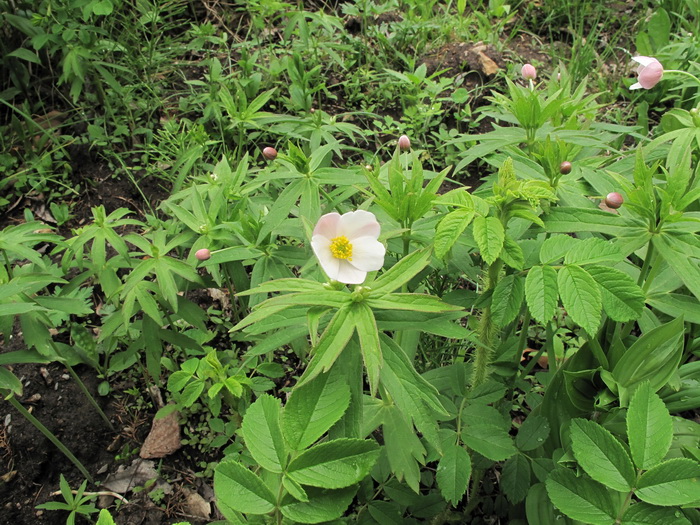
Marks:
<point>350,262</point>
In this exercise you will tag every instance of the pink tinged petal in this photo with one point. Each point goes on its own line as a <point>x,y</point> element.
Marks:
<point>348,274</point>
<point>322,250</point>
<point>650,75</point>
<point>327,225</point>
<point>358,223</point>
<point>644,61</point>
<point>367,254</point>
<point>636,85</point>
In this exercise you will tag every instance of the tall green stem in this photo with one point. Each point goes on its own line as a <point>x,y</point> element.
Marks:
<point>486,330</point>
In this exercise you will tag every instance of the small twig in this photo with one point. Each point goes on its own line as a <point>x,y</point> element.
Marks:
<point>100,493</point>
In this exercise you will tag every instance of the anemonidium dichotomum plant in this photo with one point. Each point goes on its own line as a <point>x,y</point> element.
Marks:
<point>347,247</point>
<point>649,72</point>
<point>528,72</point>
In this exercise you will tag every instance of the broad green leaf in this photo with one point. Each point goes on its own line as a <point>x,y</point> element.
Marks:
<point>580,296</point>
<point>563,219</point>
<point>334,464</point>
<point>411,301</point>
<point>512,254</point>
<point>284,202</point>
<point>649,427</point>
<point>539,508</point>
<point>262,434</point>
<point>580,498</point>
<point>489,440</point>
<point>556,247</point>
<point>515,478</point>
<point>323,505</point>
<point>296,490</point>
<point>402,272</point>
<point>676,254</point>
<point>676,305</point>
<point>541,292</point>
<point>240,489</point>
<point>673,482</point>
<point>105,518</point>
<point>9,381</point>
<point>312,409</point>
<point>507,299</point>
<point>601,455</point>
<point>533,433</point>
<point>403,448</point>
<point>453,473</point>
<point>623,300</point>
<point>592,251</point>
<point>645,514</point>
<point>489,235</point>
<point>449,229</point>
<point>653,357</point>
<point>366,327</point>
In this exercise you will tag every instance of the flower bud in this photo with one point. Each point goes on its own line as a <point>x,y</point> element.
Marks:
<point>404,143</point>
<point>203,254</point>
<point>528,72</point>
<point>565,167</point>
<point>614,200</point>
<point>270,153</point>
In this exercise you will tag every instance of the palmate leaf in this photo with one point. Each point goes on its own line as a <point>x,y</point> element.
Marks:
<point>649,427</point>
<point>541,292</point>
<point>580,296</point>
<point>403,448</point>
<point>402,272</point>
<point>489,235</point>
<point>366,327</point>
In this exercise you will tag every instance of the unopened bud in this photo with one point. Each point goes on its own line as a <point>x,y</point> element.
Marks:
<point>404,143</point>
<point>528,72</point>
<point>203,254</point>
<point>270,153</point>
<point>565,167</point>
<point>614,200</point>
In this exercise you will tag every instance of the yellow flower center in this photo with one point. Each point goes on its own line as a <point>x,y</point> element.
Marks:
<point>341,248</point>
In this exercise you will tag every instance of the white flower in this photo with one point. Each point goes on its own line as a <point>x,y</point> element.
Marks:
<point>347,246</point>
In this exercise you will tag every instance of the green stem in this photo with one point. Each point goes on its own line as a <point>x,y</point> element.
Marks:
<point>681,72</point>
<point>486,331</point>
<point>645,265</point>
<point>50,436</point>
<point>549,344</point>
<point>598,352</point>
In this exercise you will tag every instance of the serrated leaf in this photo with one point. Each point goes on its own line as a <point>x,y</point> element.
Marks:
<point>240,489</point>
<point>580,296</point>
<point>622,299</point>
<point>556,247</point>
<point>515,478</point>
<point>402,272</point>
<point>334,464</point>
<point>312,409</point>
<point>601,455</point>
<point>512,254</point>
<point>649,427</point>
<point>262,433</point>
<point>645,514</point>
<point>541,292</point>
<point>507,299</point>
<point>674,482</point>
<point>366,327</point>
<point>323,505</point>
<point>580,498</point>
<point>453,473</point>
<point>449,229</point>
<point>489,235</point>
<point>403,448</point>
<point>489,440</point>
<point>533,432</point>
<point>592,251</point>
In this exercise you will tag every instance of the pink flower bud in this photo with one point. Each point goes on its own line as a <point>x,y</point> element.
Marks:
<point>270,153</point>
<point>649,72</point>
<point>614,200</point>
<point>565,167</point>
<point>404,143</point>
<point>529,72</point>
<point>203,254</point>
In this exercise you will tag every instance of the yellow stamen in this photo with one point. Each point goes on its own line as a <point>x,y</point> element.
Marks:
<point>341,248</point>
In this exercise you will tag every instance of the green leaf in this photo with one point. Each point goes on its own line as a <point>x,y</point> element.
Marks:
<point>402,272</point>
<point>580,296</point>
<point>563,219</point>
<point>645,514</point>
<point>556,247</point>
<point>25,54</point>
<point>533,433</point>
<point>334,464</point>
<point>592,251</point>
<point>601,455</point>
<point>489,235</point>
<point>240,489</point>
<point>580,498</point>
<point>262,434</point>
<point>649,427</point>
<point>515,478</point>
<point>105,518</point>
<point>506,299</point>
<point>323,505</point>
<point>541,292</point>
<point>674,482</point>
<point>512,254</point>
<point>312,409</point>
<point>411,301</point>
<point>366,327</point>
<point>453,473</point>
<point>403,448</point>
<point>489,440</point>
<point>676,253</point>
<point>623,300</point>
<point>449,229</point>
<point>9,381</point>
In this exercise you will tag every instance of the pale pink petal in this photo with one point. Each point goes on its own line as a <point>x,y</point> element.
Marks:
<point>650,75</point>
<point>348,274</point>
<point>327,225</point>
<point>636,85</point>
<point>644,61</point>
<point>321,247</point>
<point>367,254</point>
<point>358,223</point>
